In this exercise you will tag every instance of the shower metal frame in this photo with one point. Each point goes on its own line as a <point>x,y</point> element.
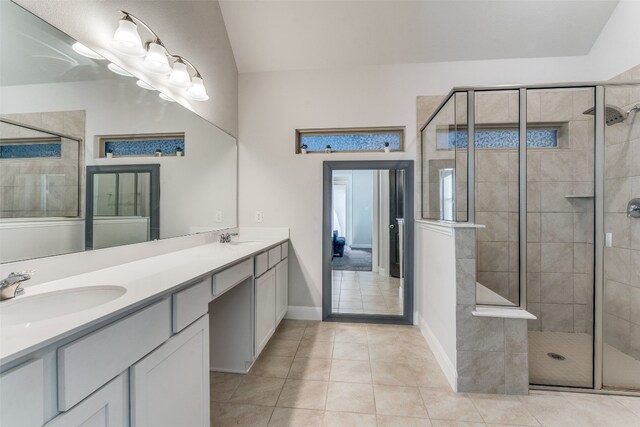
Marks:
<point>599,167</point>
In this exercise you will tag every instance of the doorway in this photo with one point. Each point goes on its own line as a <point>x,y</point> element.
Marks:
<point>368,241</point>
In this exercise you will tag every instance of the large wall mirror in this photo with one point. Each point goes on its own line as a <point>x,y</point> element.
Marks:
<point>64,115</point>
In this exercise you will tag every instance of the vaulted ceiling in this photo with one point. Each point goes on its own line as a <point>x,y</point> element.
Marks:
<point>271,35</point>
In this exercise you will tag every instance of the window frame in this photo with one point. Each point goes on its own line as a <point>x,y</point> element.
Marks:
<point>349,131</point>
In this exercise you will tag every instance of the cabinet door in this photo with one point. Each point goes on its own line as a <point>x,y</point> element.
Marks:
<point>265,297</point>
<point>22,394</point>
<point>170,386</point>
<point>107,407</point>
<point>282,289</point>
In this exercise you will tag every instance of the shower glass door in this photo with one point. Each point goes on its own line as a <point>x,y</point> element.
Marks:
<point>621,313</point>
<point>560,235</point>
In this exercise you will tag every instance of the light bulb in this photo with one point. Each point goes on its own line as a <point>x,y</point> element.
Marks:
<point>119,70</point>
<point>145,85</point>
<point>180,76</point>
<point>85,51</point>
<point>156,60</point>
<point>165,97</point>
<point>197,91</point>
<point>126,38</point>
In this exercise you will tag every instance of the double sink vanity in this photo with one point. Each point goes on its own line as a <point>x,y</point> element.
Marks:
<point>132,344</point>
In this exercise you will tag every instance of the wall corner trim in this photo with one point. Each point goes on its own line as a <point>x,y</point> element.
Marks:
<point>445,364</point>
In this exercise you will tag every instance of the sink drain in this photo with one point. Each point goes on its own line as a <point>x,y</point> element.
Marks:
<point>556,356</point>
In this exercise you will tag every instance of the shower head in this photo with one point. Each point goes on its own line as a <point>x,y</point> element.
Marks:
<point>613,115</point>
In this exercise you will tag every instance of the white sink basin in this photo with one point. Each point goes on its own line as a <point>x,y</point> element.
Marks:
<point>28,309</point>
<point>245,242</point>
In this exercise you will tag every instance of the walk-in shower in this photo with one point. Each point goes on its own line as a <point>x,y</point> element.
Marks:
<point>550,171</point>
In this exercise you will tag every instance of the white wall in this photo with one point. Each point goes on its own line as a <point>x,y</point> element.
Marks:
<point>193,29</point>
<point>192,188</point>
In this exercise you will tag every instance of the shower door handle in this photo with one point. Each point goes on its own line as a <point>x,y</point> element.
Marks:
<point>392,226</point>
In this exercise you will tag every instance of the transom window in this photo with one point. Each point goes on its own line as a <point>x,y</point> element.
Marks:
<point>350,140</point>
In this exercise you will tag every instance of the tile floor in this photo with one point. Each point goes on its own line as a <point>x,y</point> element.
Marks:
<point>365,292</point>
<point>336,374</point>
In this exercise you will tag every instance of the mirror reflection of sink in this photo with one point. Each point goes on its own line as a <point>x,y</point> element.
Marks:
<point>29,309</point>
<point>245,242</point>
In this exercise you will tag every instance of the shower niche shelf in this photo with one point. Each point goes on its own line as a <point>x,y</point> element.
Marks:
<point>579,196</point>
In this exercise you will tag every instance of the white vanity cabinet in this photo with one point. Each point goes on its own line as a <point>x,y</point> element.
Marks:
<point>170,386</point>
<point>271,293</point>
<point>265,288</point>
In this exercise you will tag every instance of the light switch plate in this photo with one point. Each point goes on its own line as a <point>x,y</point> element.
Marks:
<point>218,216</point>
<point>258,216</point>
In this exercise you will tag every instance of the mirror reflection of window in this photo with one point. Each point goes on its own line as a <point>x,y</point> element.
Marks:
<point>447,207</point>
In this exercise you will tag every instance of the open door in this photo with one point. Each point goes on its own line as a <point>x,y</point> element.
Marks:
<point>396,211</point>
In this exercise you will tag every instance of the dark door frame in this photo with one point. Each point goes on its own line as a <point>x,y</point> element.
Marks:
<point>329,166</point>
<point>154,172</point>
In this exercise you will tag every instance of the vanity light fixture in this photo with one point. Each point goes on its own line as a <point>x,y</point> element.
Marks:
<point>85,51</point>
<point>157,59</point>
<point>165,97</point>
<point>126,38</point>
<point>145,85</point>
<point>119,70</point>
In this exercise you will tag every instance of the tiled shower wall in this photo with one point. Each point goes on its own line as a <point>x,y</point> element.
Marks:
<point>622,260</point>
<point>43,187</point>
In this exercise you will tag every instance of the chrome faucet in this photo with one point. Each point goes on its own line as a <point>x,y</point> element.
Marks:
<point>11,285</point>
<point>226,237</point>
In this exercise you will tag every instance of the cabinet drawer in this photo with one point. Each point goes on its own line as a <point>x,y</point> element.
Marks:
<point>232,276</point>
<point>190,304</point>
<point>22,395</point>
<point>284,249</point>
<point>262,264</point>
<point>86,364</point>
<point>274,256</point>
<point>108,406</point>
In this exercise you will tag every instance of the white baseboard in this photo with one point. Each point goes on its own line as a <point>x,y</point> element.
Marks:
<point>304,313</point>
<point>446,365</point>
<point>356,246</point>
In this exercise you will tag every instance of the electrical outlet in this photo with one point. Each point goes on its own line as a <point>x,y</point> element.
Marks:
<point>258,216</point>
<point>218,216</point>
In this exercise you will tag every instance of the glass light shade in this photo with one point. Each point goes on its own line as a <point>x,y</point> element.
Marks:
<point>85,51</point>
<point>156,60</point>
<point>197,91</point>
<point>180,76</point>
<point>119,70</point>
<point>165,97</point>
<point>127,40</point>
<point>145,85</point>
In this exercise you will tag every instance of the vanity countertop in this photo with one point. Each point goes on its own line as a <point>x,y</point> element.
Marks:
<point>144,280</point>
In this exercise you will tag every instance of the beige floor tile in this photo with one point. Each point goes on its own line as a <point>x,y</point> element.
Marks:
<point>398,400</point>
<point>305,368</point>
<point>555,411</point>
<point>258,391</point>
<point>351,335</point>
<point>272,366</point>
<point>280,347</point>
<point>351,310</point>
<point>316,349</point>
<point>390,373</point>
<point>350,351</point>
<point>351,371</point>
<point>289,417</point>
<point>603,409</point>
<point>393,421</point>
<point>317,334</point>
<point>303,394</point>
<point>293,323</point>
<point>427,373</point>
<point>346,419</point>
<point>376,308</point>
<point>443,405</point>
<point>316,324</point>
<point>229,414</point>
<point>350,397</point>
<point>371,291</point>
<point>289,333</point>
<point>222,385</point>
<point>357,305</point>
<point>502,410</point>
<point>452,423</point>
